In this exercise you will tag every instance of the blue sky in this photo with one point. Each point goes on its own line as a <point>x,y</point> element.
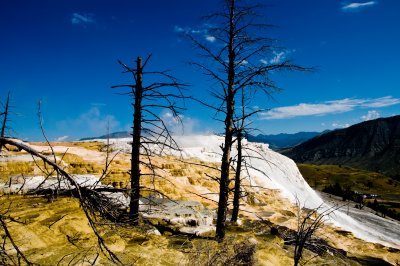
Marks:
<point>65,54</point>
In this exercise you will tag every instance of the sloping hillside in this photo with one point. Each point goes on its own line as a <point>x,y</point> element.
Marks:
<point>371,145</point>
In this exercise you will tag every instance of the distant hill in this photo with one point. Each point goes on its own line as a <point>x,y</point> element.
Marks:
<point>283,140</point>
<point>115,135</point>
<point>372,145</point>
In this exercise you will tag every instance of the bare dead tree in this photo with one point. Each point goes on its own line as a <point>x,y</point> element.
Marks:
<point>231,252</point>
<point>5,116</point>
<point>6,257</point>
<point>109,157</point>
<point>149,128</point>
<point>238,62</point>
<point>242,128</point>
<point>237,189</point>
<point>92,201</point>
<point>308,222</point>
<point>239,127</point>
<point>246,154</point>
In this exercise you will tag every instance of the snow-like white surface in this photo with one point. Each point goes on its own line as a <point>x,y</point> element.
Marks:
<point>269,169</point>
<point>275,171</point>
<point>33,183</point>
<point>23,158</point>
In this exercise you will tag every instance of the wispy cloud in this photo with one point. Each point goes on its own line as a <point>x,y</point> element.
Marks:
<point>277,57</point>
<point>88,124</point>
<point>61,138</point>
<point>371,115</point>
<point>179,29</point>
<point>339,125</point>
<point>203,30</point>
<point>82,19</point>
<point>356,6</point>
<point>210,38</point>
<point>181,126</point>
<point>328,107</point>
<point>382,102</point>
<point>189,30</point>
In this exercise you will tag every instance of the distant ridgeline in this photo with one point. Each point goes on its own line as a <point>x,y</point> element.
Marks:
<point>372,145</point>
<point>115,135</point>
<point>283,140</point>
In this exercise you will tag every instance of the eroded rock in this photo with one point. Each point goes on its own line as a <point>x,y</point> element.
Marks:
<point>187,217</point>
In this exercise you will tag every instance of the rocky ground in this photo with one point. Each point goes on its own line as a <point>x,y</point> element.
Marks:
<point>51,231</point>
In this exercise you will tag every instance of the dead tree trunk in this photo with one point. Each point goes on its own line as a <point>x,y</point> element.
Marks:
<point>226,155</point>
<point>149,130</point>
<point>6,256</point>
<point>5,113</point>
<point>135,160</point>
<point>85,195</point>
<point>236,193</point>
<point>239,64</point>
<point>224,180</point>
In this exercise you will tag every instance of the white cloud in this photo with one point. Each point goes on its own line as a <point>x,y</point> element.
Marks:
<point>328,107</point>
<point>171,120</point>
<point>382,102</point>
<point>84,19</point>
<point>210,38</point>
<point>371,115</point>
<point>187,127</point>
<point>61,138</point>
<point>179,29</point>
<point>202,30</point>
<point>338,125</point>
<point>89,124</point>
<point>189,30</point>
<point>356,6</point>
<point>278,57</point>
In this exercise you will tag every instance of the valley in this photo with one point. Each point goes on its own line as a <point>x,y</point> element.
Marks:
<point>386,190</point>
<point>372,145</point>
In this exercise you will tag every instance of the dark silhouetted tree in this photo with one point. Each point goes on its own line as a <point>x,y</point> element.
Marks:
<point>5,116</point>
<point>148,126</point>
<point>91,201</point>
<point>238,62</point>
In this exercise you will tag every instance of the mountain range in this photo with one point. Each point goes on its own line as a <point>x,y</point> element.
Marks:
<point>276,142</point>
<point>114,135</point>
<point>372,145</point>
<point>283,140</point>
